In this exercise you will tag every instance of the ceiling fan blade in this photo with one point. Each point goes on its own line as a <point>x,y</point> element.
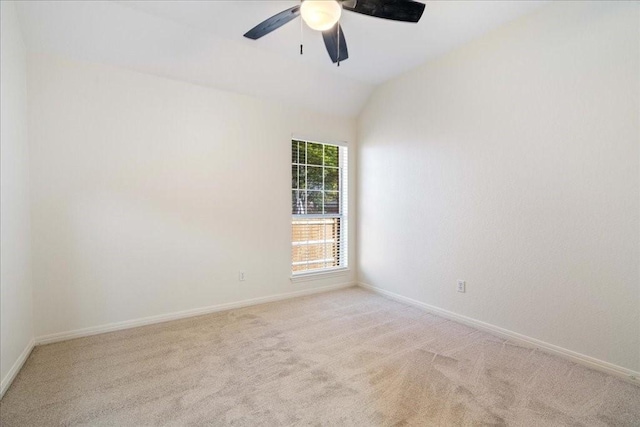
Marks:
<point>273,23</point>
<point>396,10</point>
<point>337,53</point>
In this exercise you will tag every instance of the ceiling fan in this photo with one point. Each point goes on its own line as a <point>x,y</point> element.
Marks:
<point>323,15</point>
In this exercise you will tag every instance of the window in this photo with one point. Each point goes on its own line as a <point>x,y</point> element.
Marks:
<point>318,207</point>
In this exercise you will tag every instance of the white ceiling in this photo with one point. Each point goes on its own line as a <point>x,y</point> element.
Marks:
<point>201,42</point>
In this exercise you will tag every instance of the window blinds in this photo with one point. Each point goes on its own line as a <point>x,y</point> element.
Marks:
<point>318,206</point>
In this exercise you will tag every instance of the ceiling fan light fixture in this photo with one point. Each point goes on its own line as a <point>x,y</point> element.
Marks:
<point>320,15</point>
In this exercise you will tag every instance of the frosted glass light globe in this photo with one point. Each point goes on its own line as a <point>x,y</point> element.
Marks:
<point>320,15</point>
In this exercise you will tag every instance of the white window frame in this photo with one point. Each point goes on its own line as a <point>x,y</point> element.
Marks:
<point>343,268</point>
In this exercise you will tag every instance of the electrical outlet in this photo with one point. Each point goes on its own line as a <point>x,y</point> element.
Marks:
<point>241,276</point>
<point>462,286</point>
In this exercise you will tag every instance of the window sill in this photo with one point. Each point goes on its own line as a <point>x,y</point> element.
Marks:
<point>318,275</point>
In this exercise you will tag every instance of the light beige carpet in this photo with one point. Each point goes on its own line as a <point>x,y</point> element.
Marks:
<point>348,357</point>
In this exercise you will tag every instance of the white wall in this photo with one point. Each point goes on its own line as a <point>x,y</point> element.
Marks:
<point>513,163</point>
<point>16,327</point>
<point>149,195</point>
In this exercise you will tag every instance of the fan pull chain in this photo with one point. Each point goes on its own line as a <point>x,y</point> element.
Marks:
<point>301,31</point>
<point>338,32</point>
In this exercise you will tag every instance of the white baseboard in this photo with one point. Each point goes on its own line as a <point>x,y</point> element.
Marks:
<point>576,357</point>
<point>134,323</point>
<point>11,375</point>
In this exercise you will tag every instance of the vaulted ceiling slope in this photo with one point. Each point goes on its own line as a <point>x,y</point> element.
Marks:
<point>201,42</point>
